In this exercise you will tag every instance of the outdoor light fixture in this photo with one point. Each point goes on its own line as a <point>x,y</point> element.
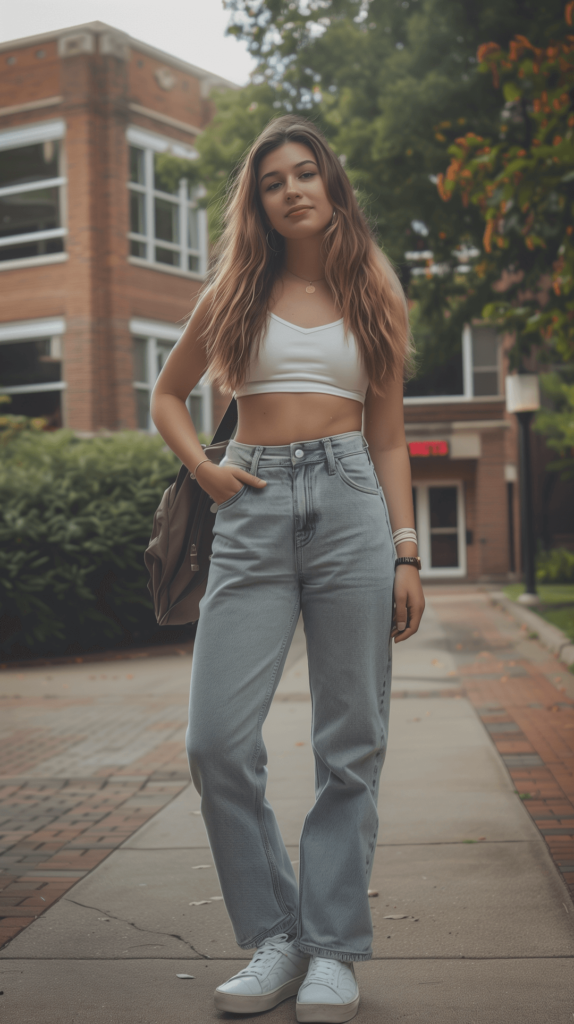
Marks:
<point>522,393</point>
<point>523,399</point>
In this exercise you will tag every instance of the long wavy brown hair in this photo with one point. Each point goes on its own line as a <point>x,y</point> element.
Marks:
<point>249,259</point>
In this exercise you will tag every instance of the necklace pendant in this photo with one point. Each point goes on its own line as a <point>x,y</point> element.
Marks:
<point>310,288</point>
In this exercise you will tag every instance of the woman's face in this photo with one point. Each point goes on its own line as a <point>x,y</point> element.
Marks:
<point>293,193</point>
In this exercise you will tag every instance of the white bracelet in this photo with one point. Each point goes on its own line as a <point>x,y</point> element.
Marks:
<point>405,535</point>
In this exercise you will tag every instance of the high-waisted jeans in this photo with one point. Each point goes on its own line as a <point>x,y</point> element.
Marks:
<point>316,539</point>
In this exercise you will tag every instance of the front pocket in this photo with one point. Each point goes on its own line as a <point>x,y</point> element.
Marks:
<point>233,498</point>
<point>358,473</point>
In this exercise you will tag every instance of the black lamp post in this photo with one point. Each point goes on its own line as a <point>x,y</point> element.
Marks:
<point>523,399</point>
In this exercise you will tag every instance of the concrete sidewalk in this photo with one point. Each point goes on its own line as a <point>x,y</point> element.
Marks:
<point>473,921</point>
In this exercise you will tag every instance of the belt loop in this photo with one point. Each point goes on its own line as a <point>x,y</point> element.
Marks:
<point>330,457</point>
<point>255,460</point>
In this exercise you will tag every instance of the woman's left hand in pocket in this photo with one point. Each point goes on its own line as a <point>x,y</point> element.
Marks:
<point>409,602</point>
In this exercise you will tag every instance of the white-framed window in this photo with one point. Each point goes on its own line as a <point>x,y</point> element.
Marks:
<point>152,342</point>
<point>481,368</point>
<point>167,227</point>
<point>481,361</point>
<point>441,528</point>
<point>32,184</point>
<point>31,368</point>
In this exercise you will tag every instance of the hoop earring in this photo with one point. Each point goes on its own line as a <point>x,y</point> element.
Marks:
<point>269,243</point>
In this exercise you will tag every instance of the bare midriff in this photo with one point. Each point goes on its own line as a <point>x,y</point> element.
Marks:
<point>278,417</point>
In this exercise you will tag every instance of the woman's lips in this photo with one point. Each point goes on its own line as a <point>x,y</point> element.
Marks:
<point>299,212</point>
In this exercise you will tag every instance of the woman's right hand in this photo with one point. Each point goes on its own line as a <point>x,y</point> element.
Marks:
<point>222,482</point>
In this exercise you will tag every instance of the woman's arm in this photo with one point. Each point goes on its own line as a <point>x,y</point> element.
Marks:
<point>184,369</point>
<point>385,434</point>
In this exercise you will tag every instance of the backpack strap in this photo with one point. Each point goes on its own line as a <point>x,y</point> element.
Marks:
<point>227,424</point>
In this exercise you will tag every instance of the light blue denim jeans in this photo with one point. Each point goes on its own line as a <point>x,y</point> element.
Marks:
<point>316,539</point>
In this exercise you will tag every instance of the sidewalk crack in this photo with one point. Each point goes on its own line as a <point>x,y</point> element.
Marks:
<point>148,931</point>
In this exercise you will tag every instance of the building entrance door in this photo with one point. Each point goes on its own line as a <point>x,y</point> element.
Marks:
<point>440,521</point>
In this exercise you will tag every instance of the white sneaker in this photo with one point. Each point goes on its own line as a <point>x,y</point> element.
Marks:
<point>329,994</point>
<point>275,973</point>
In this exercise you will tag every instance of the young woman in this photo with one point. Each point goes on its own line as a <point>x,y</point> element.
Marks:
<point>305,320</point>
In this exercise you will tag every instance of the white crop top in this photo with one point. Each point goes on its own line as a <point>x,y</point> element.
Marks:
<point>302,359</point>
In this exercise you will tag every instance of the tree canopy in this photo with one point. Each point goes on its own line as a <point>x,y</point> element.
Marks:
<point>392,83</point>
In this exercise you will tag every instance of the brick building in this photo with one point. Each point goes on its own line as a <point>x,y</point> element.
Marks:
<point>100,255</point>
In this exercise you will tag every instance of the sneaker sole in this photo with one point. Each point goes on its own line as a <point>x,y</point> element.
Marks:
<point>233,1003</point>
<point>326,1013</point>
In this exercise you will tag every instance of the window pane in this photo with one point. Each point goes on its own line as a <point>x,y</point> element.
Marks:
<point>21,252</point>
<point>193,262</point>
<point>29,211</point>
<point>142,409</point>
<point>484,347</point>
<point>163,350</point>
<point>140,360</point>
<point>170,256</point>
<point>164,180</point>
<point>193,221</point>
<point>442,502</point>
<point>137,165</point>
<point>47,404</point>
<point>137,213</point>
<point>166,220</point>
<point>28,362</point>
<point>195,406</point>
<point>444,551</point>
<point>30,163</point>
<point>138,249</point>
<point>485,383</point>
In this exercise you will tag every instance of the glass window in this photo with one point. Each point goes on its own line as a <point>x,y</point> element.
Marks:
<point>153,353</point>
<point>29,163</point>
<point>195,406</point>
<point>162,229</point>
<point>137,213</point>
<point>142,409</point>
<point>166,220</point>
<point>26,210</point>
<point>140,360</point>
<point>485,375</point>
<point>443,527</point>
<point>30,374</point>
<point>137,165</point>
<point>163,182</point>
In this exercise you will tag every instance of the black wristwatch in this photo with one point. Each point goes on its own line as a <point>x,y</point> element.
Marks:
<point>413,560</point>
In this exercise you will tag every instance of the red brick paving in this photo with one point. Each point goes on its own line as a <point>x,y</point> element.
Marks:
<point>507,688</point>
<point>58,821</point>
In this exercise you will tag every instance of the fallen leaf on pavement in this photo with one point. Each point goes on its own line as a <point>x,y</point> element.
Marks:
<point>185,976</point>
<point>396,917</point>
<point>197,867</point>
<point>199,903</point>
<point>373,892</point>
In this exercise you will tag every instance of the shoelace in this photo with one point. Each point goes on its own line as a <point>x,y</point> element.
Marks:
<point>267,949</point>
<point>323,969</point>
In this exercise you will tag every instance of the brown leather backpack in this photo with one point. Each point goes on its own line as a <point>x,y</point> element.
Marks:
<point>179,550</point>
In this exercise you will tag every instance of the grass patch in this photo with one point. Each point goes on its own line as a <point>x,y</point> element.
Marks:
<point>557,604</point>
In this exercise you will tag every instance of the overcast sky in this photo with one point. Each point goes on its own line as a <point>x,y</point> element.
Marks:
<point>193,30</point>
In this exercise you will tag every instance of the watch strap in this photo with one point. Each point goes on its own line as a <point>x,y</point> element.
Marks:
<point>411,560</point>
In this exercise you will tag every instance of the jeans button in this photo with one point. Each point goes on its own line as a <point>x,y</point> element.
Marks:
<point>299,453</point>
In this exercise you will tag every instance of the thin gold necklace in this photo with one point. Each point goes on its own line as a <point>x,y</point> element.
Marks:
<point>310,287</point>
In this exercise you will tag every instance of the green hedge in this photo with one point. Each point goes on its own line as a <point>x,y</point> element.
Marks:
<point>75,519</point>
<point>556,566</point>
